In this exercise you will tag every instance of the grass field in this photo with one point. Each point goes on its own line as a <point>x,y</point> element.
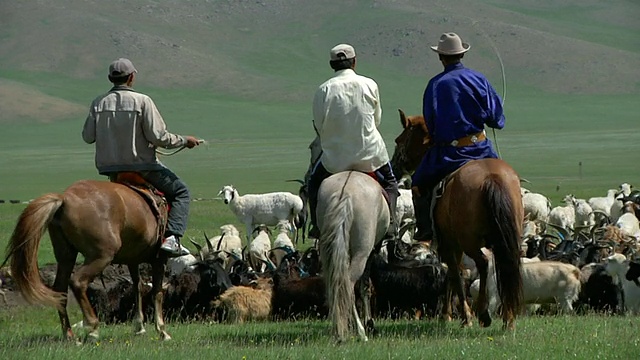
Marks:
<point>36,334</point>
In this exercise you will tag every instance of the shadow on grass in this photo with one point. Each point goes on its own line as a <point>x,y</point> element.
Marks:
<point>301,333</point>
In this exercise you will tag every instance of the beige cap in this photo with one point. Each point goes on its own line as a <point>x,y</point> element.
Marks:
<point>121,67</point>
<point>451,44</point>
<point>342,52</point>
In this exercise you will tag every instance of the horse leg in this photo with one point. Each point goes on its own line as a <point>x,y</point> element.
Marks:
<point>358,266</point>
<point>456,284</point>
<point>158,268</point>
<point>66,258</point>
<point>482,305</point>
<point>79,283</point>
<point>138,319</point>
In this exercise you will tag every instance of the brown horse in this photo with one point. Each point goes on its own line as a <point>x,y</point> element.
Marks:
<point>105,222</point>
<point>481,206</point>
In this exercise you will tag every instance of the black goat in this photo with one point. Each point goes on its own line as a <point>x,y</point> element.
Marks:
<point>634,272</point>
<point>598,291</point>
<point>300,221</point>
<point>296,296</point>
<point>186,296</point>
<point>397,290</point>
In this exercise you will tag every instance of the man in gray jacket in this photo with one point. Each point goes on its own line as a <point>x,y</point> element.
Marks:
<point>127,128</point>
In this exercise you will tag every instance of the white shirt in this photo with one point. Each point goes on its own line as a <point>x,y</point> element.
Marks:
<point>346,114</point>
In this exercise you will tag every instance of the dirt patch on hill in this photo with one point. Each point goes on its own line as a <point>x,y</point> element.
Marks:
<point>19,101</point>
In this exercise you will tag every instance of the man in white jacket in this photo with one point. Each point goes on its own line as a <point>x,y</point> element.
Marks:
<point>346,116</point>
<point>127,128</point>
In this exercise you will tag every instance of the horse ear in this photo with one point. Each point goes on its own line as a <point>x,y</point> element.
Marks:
<point>403,118</point>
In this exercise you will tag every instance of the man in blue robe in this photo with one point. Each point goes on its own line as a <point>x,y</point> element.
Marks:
<point>457,104</point>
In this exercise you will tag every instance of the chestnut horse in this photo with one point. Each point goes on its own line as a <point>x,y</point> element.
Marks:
<point>107,223</point>
<point>481,206</point>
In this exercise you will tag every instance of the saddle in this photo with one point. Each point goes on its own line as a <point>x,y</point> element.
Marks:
<point>154,198</point>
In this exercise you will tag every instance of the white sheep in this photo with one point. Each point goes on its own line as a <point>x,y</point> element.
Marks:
<point>259,249</point>
<point>616,208</point>
<point>228,242</point>
<point>255,209</point>
<point>282,245</point>
<point>177,265</point>
<point>584,218</point>
<point>564,216</point>
<point>603,204</point>
<point>629,224</point>
<point>543,282</point>
<point>617,266</point>
<point>536,206</point>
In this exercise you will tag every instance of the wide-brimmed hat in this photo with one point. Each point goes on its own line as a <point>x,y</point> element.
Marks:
<point>121,67</point>
<point>451,44</point>
<point>342,52</point>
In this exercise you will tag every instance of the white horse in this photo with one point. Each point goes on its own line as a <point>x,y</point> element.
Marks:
<point>353,216</point>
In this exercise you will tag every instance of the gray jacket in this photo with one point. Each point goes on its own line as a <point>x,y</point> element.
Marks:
<point>126,128</point>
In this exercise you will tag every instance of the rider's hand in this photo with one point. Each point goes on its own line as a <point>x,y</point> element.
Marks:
<point>415,191</point>
<point>191,142</point>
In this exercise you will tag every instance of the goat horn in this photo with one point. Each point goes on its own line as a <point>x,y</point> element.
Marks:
<point>209,244</point>
<point>220,242</point>
<point>198,246</point>
<point>525,180</point>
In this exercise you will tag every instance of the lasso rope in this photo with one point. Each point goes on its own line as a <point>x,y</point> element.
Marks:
<point>504,80</point>
<point>177,150</point>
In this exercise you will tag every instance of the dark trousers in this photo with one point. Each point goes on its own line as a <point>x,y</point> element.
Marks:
<point>384,175</point>
<point>177,195</point>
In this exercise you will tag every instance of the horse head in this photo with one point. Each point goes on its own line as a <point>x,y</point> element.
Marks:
<point>411,144</point>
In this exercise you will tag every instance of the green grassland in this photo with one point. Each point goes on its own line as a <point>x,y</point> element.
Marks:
<point>241,75</point>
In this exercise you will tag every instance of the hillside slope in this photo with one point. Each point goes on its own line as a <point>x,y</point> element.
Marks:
<point>271,49</point>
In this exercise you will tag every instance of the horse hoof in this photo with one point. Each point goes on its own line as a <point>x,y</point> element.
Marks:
<point>141,332</point>
<point>165,337</point>
<point>371,328</point>
<point>484,319</point>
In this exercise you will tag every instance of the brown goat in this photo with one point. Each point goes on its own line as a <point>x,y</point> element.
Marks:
<point>242,303</point>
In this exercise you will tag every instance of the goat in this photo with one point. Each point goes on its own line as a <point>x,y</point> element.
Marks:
<point>598,291</point>
<point>616,208</point>
<point>628,222</point>
<point>187,296</point>
<point>584,218</point>
<point>536,206</point>
<point>399,289</point>
<point>300,221</point>
<point>240,303</point>
<point>543,282</point>
<point>268,209</point>
<point>634,272</point>
<point>602,205</point>
<point>564,216</point>
<point>295,295</point>
<point>617,266</point>
<point>180,264</point>
<point>259,249</point>
<point>282,245</point>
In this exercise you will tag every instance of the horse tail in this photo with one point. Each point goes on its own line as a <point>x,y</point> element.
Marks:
<point>334,252</point>
<point>504,240</point>
<point>22,250</point>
